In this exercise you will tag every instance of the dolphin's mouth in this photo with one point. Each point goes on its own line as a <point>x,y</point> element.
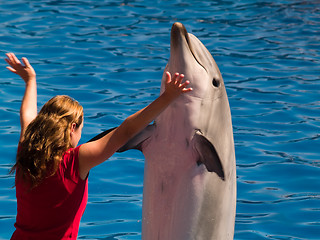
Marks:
<point>178,34</point>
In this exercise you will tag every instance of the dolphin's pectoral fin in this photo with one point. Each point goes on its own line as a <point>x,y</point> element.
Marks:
<point>101,135</point>
<point>136,141</point>
<point>208,155</point>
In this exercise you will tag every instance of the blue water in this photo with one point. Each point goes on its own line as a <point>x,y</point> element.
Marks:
<point>110,55</point>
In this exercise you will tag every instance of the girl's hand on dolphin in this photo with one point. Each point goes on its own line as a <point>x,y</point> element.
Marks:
<point>174,86</point>
<point>25,70</point>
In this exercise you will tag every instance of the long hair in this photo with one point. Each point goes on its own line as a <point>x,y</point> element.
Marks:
<point>46,139</point>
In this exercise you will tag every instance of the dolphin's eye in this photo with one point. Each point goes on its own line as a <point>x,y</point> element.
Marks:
<point>215,82</point>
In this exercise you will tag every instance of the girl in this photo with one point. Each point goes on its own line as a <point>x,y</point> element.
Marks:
<point>51,170</point>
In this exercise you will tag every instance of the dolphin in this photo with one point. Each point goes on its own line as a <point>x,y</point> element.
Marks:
<point>190,170</point>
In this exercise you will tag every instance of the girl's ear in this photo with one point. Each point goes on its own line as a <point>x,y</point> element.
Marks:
<point>73,127</point>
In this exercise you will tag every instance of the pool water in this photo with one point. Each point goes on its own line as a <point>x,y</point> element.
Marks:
<point>110,55</point>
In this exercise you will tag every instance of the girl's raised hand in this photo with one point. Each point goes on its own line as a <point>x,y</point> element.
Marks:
<point>174,86</point>
<point>26,71</point>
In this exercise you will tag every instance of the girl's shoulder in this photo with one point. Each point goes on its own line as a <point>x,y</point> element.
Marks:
<point>69,165</point>
<point>71,154</point>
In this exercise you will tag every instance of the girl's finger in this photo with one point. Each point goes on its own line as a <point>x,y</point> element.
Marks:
<point>168,77</point>
<point>12,66</point>
<point>13,60</point>
<point>174,79</point>
<point>180,78</point>
<point>187,89</point>
<point>26,62</point>
<point>11,69</point>
<point>8,61</point>
<point>16,60</point>
<point>186,83</point>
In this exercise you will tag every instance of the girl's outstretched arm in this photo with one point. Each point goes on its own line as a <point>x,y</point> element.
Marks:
<point>96,152</point>
<point>28,110</point>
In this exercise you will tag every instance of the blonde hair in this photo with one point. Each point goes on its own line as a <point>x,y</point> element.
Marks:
<point>47,138</point>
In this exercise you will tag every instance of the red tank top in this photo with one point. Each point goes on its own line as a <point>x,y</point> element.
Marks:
<point>53,209</point>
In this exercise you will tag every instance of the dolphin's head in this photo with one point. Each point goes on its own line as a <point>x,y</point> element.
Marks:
<point>190,57</point>
<point>204,111</point>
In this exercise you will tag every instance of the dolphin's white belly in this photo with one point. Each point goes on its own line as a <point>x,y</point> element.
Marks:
<point>180,197</point>
<point>172,188</point>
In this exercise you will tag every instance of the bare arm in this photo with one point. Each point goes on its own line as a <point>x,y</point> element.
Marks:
<point>28,110</point>
<point>96,152</point>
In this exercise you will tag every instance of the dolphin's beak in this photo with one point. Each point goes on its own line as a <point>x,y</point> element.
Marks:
<point>180,38</point>
<point>178,34</point>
